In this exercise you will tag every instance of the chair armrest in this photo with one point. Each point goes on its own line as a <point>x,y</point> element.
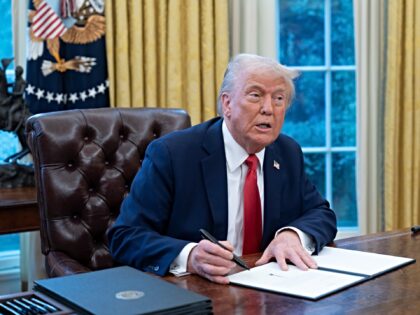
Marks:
<point>59,264</point>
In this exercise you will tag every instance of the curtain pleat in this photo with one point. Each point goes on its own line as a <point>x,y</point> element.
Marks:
<point>402,115</point>
<point>370,52</point>
<point>208,57</point>
<point>135,55</point>
<point>167,53</point>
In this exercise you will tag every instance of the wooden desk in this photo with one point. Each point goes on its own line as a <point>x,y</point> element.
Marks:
<point>397,292</point>
<point>18,210</point>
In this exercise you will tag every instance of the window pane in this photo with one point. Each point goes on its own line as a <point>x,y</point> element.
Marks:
<point>302,32</point>
<point>6,50</point>
<point>305,119</point>
<point>342,40</point>
<point>344,188</point>
<point>9,242</point>
<point>343,109</point>
<point>9,144</point>
<point>315,170</point>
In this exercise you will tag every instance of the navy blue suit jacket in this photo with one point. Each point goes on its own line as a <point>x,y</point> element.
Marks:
<point>182,187</point>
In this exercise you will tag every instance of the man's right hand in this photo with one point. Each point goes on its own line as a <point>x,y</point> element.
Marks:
<point>211,261</point>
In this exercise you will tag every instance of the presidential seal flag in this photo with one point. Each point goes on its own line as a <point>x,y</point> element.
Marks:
<point>66,57</point>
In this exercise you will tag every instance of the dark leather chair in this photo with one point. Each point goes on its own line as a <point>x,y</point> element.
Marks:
<point>84,162</point>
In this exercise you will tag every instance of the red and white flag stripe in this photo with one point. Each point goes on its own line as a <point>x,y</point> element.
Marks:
<point>46,23</point>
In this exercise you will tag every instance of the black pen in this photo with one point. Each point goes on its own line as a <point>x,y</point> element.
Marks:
<point>212,239</point>
<point>415,229</point>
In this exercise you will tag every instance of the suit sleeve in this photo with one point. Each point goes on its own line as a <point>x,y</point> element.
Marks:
<point>138,237</point>
<point>317,219</point>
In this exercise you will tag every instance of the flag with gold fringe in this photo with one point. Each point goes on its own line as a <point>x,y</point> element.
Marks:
<point>66,57</point>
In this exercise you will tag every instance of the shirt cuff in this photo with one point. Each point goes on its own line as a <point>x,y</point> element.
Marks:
<point>306,241</point>
<point>179,265</point>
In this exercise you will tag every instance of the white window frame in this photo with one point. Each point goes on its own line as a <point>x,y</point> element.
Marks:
<point>327,69</point>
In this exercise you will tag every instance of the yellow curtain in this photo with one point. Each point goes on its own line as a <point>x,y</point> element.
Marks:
<point>402,116</point>
<point>167,53</point>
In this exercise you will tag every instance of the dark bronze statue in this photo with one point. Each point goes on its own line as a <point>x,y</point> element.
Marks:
<point>13,115</point>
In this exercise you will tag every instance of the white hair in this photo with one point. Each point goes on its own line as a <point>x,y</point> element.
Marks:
<point>249,62</point>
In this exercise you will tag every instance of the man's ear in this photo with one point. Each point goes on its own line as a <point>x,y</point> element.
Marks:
<point>226,105</point>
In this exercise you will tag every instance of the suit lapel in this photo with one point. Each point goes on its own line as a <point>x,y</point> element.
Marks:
<point>215,180</point>
<point>273,186</point>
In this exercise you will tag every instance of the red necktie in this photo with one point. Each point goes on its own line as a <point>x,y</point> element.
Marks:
<point>252,209</point>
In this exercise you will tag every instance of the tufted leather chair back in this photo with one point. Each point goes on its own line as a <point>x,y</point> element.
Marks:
<point>85,161</point>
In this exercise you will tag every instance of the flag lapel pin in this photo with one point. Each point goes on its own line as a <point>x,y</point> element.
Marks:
<point>276,165</point>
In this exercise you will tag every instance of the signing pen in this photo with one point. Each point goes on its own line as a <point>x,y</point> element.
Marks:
<point>212,239</point>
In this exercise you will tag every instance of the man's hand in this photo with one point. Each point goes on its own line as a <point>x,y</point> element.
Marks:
<point>211,261</point>
<point>287,245</point>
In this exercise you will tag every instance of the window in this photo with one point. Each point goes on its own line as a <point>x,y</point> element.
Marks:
<point>9,144</point>
<point>317,38</point>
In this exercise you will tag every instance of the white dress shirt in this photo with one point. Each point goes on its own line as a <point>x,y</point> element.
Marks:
<point>236,174</point>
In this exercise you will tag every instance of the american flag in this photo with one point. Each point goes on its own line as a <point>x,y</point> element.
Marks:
<point>46,23</point>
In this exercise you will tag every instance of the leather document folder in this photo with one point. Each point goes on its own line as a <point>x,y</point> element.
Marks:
<point>337,270</point>
<point>122,290</point>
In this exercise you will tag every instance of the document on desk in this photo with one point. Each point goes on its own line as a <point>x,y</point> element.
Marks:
<point>358,262</point>
<point>337,269</point>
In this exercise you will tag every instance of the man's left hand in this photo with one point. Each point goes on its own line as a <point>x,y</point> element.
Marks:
<point>287,246</point>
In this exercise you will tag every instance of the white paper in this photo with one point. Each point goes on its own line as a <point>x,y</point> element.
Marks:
<point>311,284</point>
<point>369,264</point>
<point>343,268</point>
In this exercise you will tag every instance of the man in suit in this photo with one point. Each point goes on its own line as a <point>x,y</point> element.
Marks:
<point>235,176</point>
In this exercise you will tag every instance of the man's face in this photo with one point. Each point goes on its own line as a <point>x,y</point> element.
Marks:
<point>255,108</point>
